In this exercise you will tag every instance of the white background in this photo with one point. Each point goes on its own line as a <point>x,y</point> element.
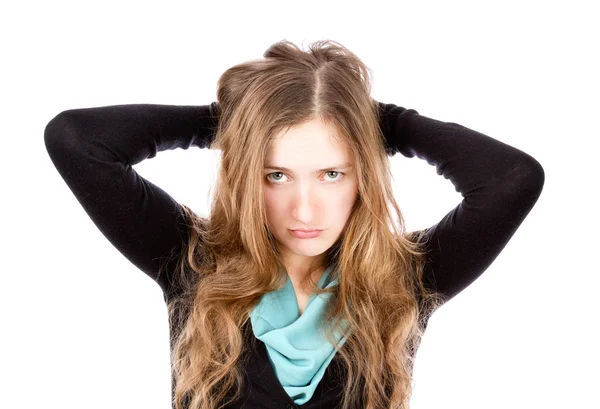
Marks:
<point>81,327</point>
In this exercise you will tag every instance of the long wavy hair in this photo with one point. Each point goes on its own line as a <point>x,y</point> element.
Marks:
<point>380,295</point>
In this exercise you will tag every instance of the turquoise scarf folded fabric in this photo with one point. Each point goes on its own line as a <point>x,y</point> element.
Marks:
<point>297,349</point>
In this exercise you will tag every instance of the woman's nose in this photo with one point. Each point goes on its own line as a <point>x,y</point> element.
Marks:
<point>304,202</point>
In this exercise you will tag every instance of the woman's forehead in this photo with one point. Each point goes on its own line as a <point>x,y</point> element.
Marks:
<point>313,141</point>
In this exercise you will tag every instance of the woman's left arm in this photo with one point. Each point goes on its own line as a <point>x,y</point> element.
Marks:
<point>499,183</point>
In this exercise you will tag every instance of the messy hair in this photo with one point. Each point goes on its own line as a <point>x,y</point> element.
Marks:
<point>380,297</point>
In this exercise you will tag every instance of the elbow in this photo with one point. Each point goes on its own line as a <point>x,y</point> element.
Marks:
<point>59,133</point>
<point>525,181</point>
<point>535,176</point>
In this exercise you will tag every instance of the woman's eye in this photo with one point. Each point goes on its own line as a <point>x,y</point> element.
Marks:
<point>336,173</point>
<point>278,179</point>
<point>275,173</point>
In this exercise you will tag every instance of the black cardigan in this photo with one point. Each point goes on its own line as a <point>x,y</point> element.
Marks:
<point>94,149</point>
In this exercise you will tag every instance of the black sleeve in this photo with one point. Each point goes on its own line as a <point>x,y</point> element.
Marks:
<point>499,183</point>
<point>94,149</point>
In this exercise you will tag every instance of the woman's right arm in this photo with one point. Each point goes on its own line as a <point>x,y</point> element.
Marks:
<point>94,149</point>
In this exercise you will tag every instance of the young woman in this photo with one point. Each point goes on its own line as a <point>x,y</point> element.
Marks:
<point>263,313</point>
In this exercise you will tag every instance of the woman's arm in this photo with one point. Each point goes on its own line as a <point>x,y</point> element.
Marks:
<point>94,149</point>
<point>499,184</point>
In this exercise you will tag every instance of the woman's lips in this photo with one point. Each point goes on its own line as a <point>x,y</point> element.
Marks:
<point>303,234</point>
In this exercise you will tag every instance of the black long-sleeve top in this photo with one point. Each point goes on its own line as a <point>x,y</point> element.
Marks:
<point>94,149</point>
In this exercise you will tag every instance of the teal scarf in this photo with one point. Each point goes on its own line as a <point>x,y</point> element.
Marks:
<point>297,350</point>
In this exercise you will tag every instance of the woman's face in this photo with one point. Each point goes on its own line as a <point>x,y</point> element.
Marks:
<point>309,183</point>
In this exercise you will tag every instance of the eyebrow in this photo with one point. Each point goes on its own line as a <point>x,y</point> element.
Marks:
<point>346,165</point>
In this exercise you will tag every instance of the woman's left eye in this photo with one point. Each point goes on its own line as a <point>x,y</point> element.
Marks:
<point>336,172</point>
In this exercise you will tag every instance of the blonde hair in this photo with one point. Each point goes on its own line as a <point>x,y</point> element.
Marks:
<point>379,265</point>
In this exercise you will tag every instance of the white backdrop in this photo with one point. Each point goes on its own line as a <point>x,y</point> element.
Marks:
<point>84,328</point>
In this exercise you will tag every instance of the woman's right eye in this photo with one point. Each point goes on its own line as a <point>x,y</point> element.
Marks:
<point>275,173</point>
